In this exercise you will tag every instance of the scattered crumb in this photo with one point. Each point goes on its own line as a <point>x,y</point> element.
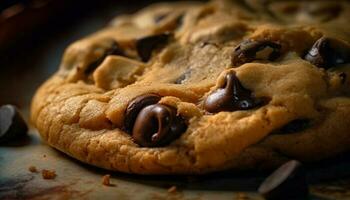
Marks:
<point>48,174</point>
<point>32,169</point>
<point>172,189</point>
<point>44,156</point>
<point>106,180</point>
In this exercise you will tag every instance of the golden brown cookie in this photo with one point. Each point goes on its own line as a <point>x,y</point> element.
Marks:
<point>190,88</point>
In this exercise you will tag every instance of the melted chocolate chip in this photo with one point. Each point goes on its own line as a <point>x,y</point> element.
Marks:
<point>328,52</point>
<point>12,125</point>
<point>250,50</point>
<point>135,106</point>
<point>157,125</point>
<point>294,126</point>
<point>145,46</point>
<point>287,182</point>
<point>114,49</point>
<point>230,97</point>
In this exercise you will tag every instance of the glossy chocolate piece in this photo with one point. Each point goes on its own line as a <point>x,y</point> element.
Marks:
<point>249,51</point>
<point>114,49</point>
<point>135,106</point>
<point>287,182</point>
<point>12,125</point>
<point>230,97</point>
<point>157,125</point>
<point>145,46</point>
<point>328,52</point>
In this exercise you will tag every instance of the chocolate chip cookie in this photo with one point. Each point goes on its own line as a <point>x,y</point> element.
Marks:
<point>194,87</point>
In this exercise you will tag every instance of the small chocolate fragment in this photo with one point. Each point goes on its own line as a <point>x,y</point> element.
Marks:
<point>294,126</point>
<point>145,46</point>
<point>157,125</point>
<point>287,182</point>
<point>230,97</point>
<point>135,106</point>
<point>328,52</point>
<point>12,125</point>
<point>115,49</point>
<point>249,50</point>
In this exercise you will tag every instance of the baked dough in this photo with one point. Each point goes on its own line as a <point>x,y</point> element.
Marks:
<point>191,88</point>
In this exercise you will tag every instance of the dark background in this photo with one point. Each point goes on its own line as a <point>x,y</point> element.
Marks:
<point>34,34</point>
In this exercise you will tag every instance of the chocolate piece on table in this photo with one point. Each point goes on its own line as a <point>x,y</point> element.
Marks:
<point>12,125</point>
<point>287,182</point>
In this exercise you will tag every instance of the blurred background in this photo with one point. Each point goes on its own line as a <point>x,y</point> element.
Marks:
<point>34,34</point>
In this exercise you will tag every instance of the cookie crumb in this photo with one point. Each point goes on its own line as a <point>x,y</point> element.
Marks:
<point>172,189</point>
<point>32,169</point>
<point>106,180</point>
<point>48,174</point>
<point>44,156</point>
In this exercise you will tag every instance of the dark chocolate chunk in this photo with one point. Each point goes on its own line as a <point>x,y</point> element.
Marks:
<point>157,125</point>
<point>135,106</point>
<point>250,50</point>
<point>230,97</point>
<point>114,49</point>
<point>145,46</point>
<point>294,126</point>
<point>287,182</point>
<point>328,52</point>
<point>12,125</point>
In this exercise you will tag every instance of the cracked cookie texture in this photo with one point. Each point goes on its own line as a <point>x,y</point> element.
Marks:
<point>195,87</point>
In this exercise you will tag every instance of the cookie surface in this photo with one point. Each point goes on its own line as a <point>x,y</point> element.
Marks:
<point>190,88</point>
